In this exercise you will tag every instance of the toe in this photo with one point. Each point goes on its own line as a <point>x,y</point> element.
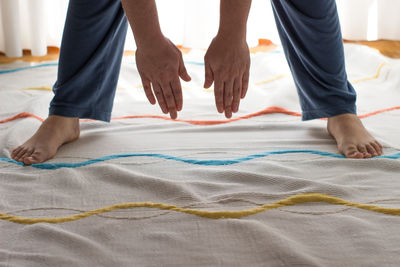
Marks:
<point>26,154</point>
<point>20,153</point>
<point>15,152</point>
<point>377,146</point>
<point>36,157</point>
<point>371,150</point>
<point>364,151</point>
<point>352,152</point>
<point>31,160</point>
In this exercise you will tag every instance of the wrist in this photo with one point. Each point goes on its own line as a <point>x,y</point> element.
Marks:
<point>232,36</point>
<point>150,41</point>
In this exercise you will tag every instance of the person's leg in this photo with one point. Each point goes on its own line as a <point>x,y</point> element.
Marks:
<point>89,64</point>
<point>90,58</point>
<point>312,41</point>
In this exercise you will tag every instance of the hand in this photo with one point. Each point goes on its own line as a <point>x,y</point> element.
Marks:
<point>227,64</point>
<point>162,65</point>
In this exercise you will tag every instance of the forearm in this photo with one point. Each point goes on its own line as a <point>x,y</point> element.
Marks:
<point>143,18</point>
<point>233,19</point>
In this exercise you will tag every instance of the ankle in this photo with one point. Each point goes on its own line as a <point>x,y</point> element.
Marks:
<point>62,123</point>
<point>343,116</point>
<point>62,118</point>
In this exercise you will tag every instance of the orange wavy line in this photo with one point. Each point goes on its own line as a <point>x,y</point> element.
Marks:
<point>20,116</point>
<point>378,111</point>
<point>269,110</point>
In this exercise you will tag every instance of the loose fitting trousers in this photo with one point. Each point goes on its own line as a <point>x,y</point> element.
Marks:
<point>94,37</point>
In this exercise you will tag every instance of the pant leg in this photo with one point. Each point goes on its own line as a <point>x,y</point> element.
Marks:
<point>90,58</point>
<point>312,41</point>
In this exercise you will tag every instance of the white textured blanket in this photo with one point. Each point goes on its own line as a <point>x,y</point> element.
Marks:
<point>200,165</point>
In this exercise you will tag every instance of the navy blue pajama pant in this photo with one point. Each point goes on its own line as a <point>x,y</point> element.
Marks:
<point>94,37</point>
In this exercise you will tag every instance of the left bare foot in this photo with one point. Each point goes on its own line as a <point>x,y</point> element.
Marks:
<point>352,139</point>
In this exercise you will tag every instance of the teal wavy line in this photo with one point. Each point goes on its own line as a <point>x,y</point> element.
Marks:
<point>186,62</point>
<point>215,162</point>
<point>28,67</point>
<point>55,64</point>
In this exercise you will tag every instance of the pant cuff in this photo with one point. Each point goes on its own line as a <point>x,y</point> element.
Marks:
<point>328,112</point>
<point>80,113</point>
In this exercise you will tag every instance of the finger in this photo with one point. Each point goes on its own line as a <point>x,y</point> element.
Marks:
<point>147,90</point>
<point>169,98</point>
<point>236,95</point>
<point>160,97</point>
<point>228,88</point>
<point>177,91</point>
<point>219,95</point>
<point>245,83</point>
<point>182,71</point>
<point>209,76</point>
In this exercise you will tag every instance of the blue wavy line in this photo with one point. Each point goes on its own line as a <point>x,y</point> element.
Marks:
<point>28,67</point>
<point>216,162</point>
<point>186,62</point>
<point>194,63</point>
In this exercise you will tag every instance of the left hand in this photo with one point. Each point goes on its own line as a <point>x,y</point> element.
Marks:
<point>227,64</point>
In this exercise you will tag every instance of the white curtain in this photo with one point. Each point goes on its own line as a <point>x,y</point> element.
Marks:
<point>36,24</point>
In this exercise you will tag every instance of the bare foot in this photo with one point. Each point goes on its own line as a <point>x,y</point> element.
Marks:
<point>43,145</point>
<point>352,139</point>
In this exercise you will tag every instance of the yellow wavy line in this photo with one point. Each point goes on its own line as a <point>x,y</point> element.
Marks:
<point>272,79</point>
<point>375,76</point>
<point>258,83</point>
<point>38,88</point>
<point>378,72</point>
<point>292,200</point>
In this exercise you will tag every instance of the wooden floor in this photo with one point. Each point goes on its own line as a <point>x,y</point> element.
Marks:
<point>385,47</point>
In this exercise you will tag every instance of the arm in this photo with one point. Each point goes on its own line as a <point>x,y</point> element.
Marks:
<point>143,18</point>
<point>233,19</point>
<point>227,60</point>
<point>158,60</point>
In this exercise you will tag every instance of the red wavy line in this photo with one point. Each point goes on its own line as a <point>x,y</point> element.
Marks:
<point>269,110</point>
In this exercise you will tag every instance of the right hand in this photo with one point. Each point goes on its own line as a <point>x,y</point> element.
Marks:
<point>161,65</point>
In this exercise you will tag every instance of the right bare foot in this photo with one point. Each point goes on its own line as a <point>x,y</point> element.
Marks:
<point>43,145</point>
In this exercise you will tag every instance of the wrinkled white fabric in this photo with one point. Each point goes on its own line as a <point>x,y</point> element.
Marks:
<point>310,234</point>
